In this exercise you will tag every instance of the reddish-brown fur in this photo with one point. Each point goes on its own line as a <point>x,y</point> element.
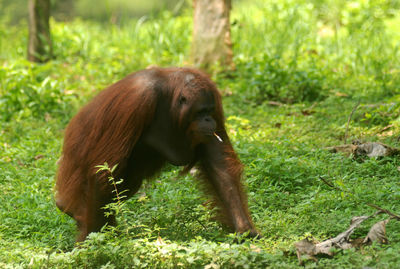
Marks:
<point>142,121</point>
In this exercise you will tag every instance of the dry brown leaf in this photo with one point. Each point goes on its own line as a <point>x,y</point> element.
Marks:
<point>369,149</point>
<point>377,233</point>
<point>342,241</point>
<point>38,157</point>
<point>341,94</point>
<point>311,249</point>
<point>373,149</point>
<point>305,247</point>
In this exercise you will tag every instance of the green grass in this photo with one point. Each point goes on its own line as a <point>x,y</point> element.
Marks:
<point>317,58</point>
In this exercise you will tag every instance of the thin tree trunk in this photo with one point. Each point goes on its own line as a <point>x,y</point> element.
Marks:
<point>211,34</point>
<point>39,46</point>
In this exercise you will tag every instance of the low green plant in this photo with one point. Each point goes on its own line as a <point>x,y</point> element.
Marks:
<point>267,79</point>
<point>28,90</point>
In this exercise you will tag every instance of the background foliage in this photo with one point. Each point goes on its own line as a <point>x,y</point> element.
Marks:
<point>301,66</point>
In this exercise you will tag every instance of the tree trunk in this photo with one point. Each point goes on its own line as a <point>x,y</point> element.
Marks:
<point>211,34</point>
<point>39,46</point>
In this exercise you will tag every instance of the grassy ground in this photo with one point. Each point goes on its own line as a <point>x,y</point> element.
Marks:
<point>317,59</point>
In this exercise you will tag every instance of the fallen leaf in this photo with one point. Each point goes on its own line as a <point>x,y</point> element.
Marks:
<point>306,247</point>
<point>369,149</point>
<point>341,94</point>
<point>38,157</point>
<point>377,233</point>
<point>374,149</point>
<point>342,241</point>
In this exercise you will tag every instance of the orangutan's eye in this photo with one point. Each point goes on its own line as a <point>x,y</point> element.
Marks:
<point>182,100</point>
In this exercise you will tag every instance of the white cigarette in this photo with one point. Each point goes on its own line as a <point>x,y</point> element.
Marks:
<point>217,136</point>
